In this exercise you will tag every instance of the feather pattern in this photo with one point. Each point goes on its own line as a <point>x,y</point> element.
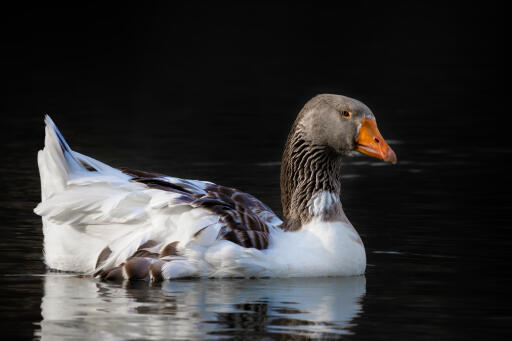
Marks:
<point>244,219</point>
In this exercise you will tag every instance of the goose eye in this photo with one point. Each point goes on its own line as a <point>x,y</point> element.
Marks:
<point>346,114</point>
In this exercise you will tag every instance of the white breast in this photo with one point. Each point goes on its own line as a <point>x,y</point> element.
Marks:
<point>320,248</point>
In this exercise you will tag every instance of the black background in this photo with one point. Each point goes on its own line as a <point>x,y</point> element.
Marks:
<point>150,70</point>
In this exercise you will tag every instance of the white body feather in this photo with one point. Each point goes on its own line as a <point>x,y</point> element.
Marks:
<point>85,211</point>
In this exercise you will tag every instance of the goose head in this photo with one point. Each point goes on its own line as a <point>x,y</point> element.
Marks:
<point>327,128</point>
<point>344,125</point>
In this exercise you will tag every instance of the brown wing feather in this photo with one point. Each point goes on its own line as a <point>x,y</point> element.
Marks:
<point>245,218</point>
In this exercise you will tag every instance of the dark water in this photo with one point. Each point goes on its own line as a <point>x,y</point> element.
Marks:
<point>432,249</point>
<point>209,93</point>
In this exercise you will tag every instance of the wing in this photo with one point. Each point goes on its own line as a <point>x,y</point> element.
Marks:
<point>100,221</point>
<point>244,220</point>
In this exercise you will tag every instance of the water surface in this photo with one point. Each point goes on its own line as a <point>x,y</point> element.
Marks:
<point>430,261</point>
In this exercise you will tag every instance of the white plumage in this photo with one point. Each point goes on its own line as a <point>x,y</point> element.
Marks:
<point>87,206</point>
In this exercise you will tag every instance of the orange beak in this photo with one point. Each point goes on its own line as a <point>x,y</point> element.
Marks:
<point>370,142</point>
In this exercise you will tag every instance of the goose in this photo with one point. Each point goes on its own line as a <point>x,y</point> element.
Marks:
<point>120,223</point>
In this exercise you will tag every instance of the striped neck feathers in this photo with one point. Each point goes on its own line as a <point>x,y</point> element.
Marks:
<point>310,182</point>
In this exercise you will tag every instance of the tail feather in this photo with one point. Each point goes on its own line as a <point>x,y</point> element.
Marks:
<point>71,161</point>
<point>56,161</point>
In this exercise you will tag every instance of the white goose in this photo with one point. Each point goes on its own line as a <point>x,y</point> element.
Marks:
<point>120,223</point>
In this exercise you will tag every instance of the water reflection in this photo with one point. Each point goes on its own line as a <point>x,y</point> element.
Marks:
<point>75,307</point>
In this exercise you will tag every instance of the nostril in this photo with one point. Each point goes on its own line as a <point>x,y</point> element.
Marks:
<point>376,139</point>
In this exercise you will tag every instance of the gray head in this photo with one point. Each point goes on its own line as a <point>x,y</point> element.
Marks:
<point>344,124</point>
<point>328,127</point>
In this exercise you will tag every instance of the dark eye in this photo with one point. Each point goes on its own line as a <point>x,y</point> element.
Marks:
<point>346,114</point>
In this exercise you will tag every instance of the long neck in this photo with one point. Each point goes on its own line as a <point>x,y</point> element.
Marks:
<point>310,182</point>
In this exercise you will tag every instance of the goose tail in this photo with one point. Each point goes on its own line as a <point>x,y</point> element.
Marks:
<point>78,197</point>
<point>56,161</point>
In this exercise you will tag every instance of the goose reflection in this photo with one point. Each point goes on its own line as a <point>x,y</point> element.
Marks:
<point>75,307</point>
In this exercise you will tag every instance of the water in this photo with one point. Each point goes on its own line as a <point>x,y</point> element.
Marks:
<point>195,309</point>
<point>432,250</point>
